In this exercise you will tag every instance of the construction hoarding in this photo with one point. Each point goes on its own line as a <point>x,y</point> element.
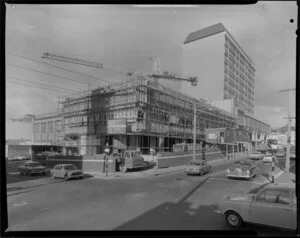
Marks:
<point>116,126</point>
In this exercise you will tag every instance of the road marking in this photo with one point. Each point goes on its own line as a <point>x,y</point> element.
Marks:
<point>225,179</point>
<point>20,204</point>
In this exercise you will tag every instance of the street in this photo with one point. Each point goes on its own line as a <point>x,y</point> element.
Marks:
<point>171,201</point>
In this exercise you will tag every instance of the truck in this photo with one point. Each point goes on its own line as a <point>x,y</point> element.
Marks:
<point>129,159</point>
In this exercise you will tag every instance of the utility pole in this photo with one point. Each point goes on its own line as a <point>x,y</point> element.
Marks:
<point>194,149</point>
<point>287,160</point>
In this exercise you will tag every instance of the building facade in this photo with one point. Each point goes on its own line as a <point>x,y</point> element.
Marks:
<point>226,76</point>
<point>223,68</point>
<point>137,113</point>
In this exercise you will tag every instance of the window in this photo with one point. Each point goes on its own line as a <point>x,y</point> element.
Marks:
<point>268,196</point>
<point>284,197</point>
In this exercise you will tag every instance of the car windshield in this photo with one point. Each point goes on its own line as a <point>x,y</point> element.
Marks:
<point>70,167</point>
<point>257,189</point>
<point>34,164</point>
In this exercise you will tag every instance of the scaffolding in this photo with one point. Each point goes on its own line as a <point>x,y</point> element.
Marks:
<point>154,116</point>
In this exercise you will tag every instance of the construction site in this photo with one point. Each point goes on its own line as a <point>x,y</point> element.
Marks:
<point>139,113</point>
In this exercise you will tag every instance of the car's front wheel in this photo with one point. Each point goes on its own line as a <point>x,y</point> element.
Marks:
<point>234,219</point>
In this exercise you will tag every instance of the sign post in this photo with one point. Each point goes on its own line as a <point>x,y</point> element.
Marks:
<point>106,150</point>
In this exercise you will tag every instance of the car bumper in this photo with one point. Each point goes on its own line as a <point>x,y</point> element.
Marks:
<point>192,172</point>
<point>76,176</point>
<point>218,212</point>
<point>37,172</point>
<point>238,176</point>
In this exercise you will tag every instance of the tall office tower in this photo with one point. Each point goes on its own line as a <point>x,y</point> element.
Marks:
<point>223,68</point>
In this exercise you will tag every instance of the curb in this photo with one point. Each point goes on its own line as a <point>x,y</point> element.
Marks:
<point>157,172</point>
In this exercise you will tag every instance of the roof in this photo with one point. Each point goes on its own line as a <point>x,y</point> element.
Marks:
<point>212,30</point>
<point>208,31</point>
<point>17,141</point>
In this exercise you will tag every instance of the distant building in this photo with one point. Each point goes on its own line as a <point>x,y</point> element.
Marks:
<point>226,76</point>
<point>281,135</point>
<point>15,148</point>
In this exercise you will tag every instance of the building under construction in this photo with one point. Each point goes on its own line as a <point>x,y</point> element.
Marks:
<point>138,113</point>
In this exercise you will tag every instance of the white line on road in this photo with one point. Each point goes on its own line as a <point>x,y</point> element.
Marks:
<point>225,179</point>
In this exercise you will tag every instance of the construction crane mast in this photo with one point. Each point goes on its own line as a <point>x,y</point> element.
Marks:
<point>72,60</point>
<point>157,73</point>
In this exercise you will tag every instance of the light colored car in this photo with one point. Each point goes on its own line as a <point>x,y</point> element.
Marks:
<point>255,155</point>
<point>198,167</point>
<point>244,169</point>
<point>268,204</point>
<point>280,153</point>
<point>268,158</point>
<point>66,171</point>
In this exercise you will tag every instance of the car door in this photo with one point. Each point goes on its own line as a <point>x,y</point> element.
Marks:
<point>294,210</point>
<point>272,207</point>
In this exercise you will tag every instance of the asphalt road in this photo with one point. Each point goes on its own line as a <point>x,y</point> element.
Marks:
<point>166,202</point>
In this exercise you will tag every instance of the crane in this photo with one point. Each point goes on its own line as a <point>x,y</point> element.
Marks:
<point>47,55</point>
<point>157,73</point>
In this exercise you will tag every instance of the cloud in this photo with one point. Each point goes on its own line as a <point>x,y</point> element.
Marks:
<point>123,37</point>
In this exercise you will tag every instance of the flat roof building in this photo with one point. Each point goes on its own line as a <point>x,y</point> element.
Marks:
<point>223,68</point>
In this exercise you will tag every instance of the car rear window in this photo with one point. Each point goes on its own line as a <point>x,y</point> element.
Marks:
<point>70,167</point>
<point>268,196</point>
<point>257,189</point>
<point>284,197</point>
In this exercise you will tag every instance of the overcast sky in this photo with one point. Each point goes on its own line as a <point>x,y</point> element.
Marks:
<point>124,37</point>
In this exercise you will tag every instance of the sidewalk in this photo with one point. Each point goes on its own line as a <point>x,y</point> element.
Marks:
<point>280,176</point>
<point>155,172</point>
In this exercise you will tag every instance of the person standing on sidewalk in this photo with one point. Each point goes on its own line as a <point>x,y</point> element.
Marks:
<point>203,150</point>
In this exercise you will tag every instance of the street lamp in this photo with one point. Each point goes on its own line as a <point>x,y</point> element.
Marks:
<point>287,161</point>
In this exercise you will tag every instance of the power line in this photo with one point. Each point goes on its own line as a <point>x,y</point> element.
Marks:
<point>49,74</point>
<point>72,71</point>
<point>43,84</point>
<point>40,87</point>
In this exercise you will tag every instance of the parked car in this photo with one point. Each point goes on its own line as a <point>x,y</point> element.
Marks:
<point>268,158</point>
<point>268,204</point>
<point>243,169</point>
<point>255,155</point>
<point>293,152</point>
<point>66,171</point>
<point>198,167</point>
<point>132,159</point>
<point>280,153</point>
<point>31,167</point>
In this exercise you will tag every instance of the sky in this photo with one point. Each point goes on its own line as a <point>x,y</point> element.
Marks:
<point>124,37</point>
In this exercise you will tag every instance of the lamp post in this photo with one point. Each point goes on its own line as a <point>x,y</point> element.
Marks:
<point>106,150</point>
<point>287,161</point>
<point>194,149</point>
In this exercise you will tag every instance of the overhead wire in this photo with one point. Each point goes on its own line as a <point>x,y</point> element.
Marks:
<point>49,74</point>
<point>42,84</point>
<point>58,67</point>
<point>40,87</point>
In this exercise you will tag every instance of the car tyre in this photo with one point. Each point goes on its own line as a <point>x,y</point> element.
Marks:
<point>234,219</point>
